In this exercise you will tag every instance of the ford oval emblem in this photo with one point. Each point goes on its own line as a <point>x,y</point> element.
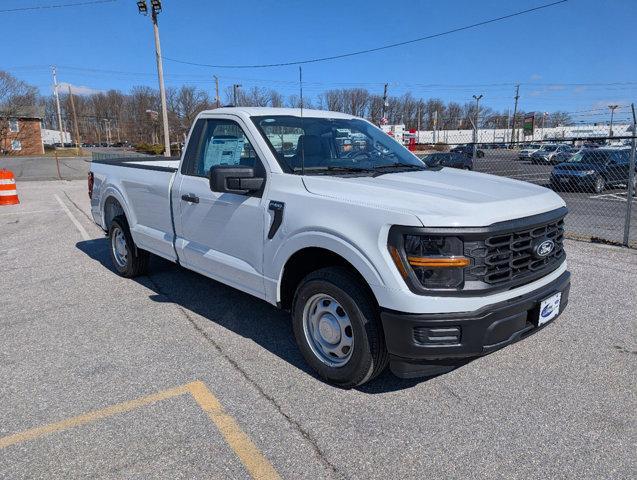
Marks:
<point>546,311</point>
<point>545,248</point>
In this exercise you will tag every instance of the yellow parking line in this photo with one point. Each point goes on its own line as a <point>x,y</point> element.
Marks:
<point>253,460</point>
<point>248,453</point>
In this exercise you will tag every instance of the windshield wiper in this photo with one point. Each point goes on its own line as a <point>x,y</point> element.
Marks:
<point>383,169</point>
<point>341,168</point>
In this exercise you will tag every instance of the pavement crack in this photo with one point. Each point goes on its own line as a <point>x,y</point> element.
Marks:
<point>452,392</point>
<point>77,207</point>
<point>319,453</point>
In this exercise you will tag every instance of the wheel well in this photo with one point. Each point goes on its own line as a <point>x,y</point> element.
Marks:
<point>112,209</point>
<point>309,260</point>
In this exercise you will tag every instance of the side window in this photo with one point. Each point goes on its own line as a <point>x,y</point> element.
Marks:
<point>219,142</point>
<point>14,126</point>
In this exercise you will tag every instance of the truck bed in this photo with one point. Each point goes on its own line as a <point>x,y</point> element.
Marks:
<point>142,189</point>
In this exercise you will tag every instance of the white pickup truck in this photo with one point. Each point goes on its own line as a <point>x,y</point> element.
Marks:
<point>379,257</point>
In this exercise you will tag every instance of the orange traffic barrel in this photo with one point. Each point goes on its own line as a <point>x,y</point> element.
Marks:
<point>8,192</point>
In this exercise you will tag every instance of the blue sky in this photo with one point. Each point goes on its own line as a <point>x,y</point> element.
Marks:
<point>558,54</point>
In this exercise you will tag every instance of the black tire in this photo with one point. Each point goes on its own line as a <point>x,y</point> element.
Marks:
<point>136,261</point>
<point>599,184</point>
<point>369,355</point>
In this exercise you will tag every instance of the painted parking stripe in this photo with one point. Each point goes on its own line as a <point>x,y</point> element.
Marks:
<point>250,456</point>
<point>77,224</point>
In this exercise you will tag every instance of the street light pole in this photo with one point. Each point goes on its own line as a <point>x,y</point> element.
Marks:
<point>612,113</point>
<point>235,91</point>
<point>475,126</point>
<point>217,101</point>
<point>155,9</point>
<point>544,115</point>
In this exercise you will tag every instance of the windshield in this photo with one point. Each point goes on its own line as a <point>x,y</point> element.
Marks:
<point>594,156</point>
<point>549,148</point>
<point>333,146</point>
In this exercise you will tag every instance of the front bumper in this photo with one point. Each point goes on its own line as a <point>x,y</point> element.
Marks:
<point>428,344</point>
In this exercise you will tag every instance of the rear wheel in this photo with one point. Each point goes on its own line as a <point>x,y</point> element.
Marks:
<point>128,260</point>
<point>599,185</point>
<point>337,327</point>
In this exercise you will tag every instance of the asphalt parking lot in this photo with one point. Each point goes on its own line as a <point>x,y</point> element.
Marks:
<point>600,216</point>
<point>173,375</point>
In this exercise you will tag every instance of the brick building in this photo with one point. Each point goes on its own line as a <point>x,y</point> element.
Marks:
<point>21,136</point>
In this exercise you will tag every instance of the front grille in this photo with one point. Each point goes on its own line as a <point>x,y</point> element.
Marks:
<point>509,258</point>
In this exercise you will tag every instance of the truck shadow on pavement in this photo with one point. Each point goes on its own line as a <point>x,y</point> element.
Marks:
<point>231,309</point>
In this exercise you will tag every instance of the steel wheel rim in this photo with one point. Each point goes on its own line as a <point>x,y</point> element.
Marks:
<point>328,330</point>
<point>119,247</point>
<point>599,184</point>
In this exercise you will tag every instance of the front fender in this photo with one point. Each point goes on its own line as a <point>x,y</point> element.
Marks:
<point>329,241</point>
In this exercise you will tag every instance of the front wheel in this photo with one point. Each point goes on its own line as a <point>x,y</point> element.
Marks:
<point>599,185</point>
<point>337,327</point>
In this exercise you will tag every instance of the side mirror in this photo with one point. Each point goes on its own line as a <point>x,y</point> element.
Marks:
<point>234,179</point>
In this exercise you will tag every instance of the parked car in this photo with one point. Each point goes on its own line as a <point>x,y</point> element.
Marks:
<point>379,258</point>
<point>467,150</point>
<point>451,159</point>
<point>528,150</point>
<point>593,169</point>
<point>551,154</point>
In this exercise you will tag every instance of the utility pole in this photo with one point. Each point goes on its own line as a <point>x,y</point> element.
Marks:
<point>218,103</point>
<point>156,9</point>
<point>515,113</point>
<point>107,123</point>
<point>383,111</point>
<point>435,126</point>
<point>612,113</point>
<point>235,91</point>
<point>76,129</point>
<point>475,126</point>
<point>506,128</point>
<point>57,103</point>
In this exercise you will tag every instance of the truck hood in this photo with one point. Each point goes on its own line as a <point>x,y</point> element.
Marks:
<point>441,198</point>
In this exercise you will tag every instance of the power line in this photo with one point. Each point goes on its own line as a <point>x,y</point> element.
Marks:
<point>63,5</point>
<point>371,50</point>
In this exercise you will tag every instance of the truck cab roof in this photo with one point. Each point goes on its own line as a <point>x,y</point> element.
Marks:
<point>265,111</point>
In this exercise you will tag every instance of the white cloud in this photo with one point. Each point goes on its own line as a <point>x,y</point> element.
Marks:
<point>63,87</point>
<point>536,76</point>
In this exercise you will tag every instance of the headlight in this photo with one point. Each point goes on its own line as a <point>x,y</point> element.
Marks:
<point>588,172</point>
<point>436,262</point>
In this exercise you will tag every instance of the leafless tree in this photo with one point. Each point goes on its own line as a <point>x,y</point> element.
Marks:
<point>17,99</point>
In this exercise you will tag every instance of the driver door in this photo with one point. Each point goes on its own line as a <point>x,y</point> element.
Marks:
<point>221,235</point>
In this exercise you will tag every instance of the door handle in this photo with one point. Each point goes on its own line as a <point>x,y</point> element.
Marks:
<point>192,198</point>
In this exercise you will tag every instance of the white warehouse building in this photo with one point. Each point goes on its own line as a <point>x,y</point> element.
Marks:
<point>501,135</point>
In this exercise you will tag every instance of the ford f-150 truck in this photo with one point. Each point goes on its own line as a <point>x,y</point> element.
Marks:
<point>380,258</point>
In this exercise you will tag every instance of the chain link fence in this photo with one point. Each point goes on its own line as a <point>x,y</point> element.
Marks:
<point>592,167</point>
